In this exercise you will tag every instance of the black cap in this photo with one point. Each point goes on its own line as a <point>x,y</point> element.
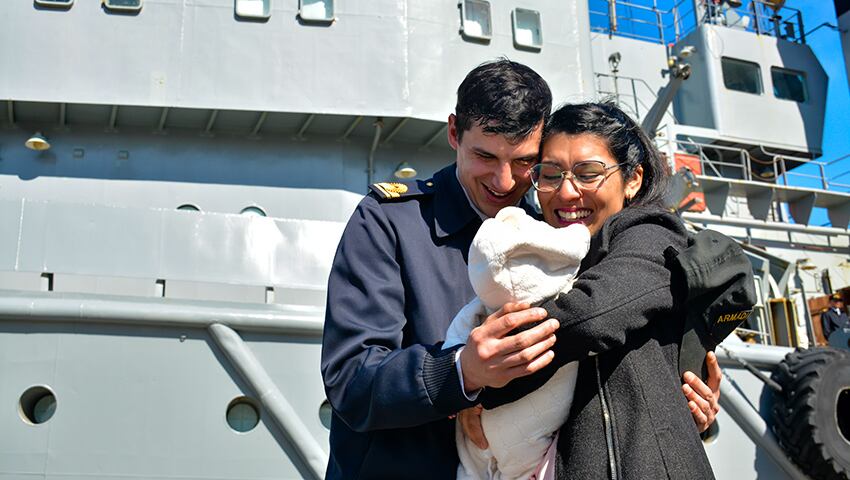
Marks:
<point>835,297</point>
<point>718,294</point>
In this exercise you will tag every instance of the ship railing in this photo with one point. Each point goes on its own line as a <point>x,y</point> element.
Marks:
<point>643,21</point>
<point>640,20</point>
<point>661,21</point>
<point>757,16</point>
<point>769,167</point>
<point>723,157</point>
<point>787,176</point>
<point>628,98</point>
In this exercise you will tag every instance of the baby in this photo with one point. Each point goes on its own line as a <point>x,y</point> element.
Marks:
<point>515,258</point>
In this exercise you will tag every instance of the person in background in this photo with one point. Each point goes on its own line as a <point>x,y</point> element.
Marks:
<point>834,318</point>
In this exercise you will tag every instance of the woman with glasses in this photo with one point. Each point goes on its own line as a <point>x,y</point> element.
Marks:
<point>622,320</point>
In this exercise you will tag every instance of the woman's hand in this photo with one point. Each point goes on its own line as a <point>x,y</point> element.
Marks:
<point>703,398</point>
<point>470,421</point>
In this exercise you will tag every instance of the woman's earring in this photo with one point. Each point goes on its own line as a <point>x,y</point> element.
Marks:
<point>627,201</point>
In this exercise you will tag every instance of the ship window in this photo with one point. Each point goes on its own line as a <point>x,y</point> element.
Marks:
<point>316,10</point>
<point>253,211</point>
<point>527,30</point>
<point>741,75</point>
<point>789,84</point>
<point>188,207</point>
<point>475,20</point>
<point>123,5</point>
<point>325,414</point>
<point>37,405</point>
<point>253,8</point>
<point>55,3</point>
<point>243,414</point>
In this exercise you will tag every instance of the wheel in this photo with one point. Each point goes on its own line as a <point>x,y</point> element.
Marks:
<point>812,413</point>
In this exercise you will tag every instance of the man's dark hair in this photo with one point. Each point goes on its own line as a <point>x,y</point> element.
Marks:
<point>626,141</point>
<point>505,98</point>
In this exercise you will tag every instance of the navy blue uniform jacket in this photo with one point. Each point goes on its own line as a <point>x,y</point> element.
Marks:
<point>398,279</point>
<point>833,321</point>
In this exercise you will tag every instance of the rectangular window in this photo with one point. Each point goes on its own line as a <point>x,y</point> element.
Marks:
<point>741,75</point>
<point>55,3</point>
<point>789,84</point>
<point>475,20</point>
<point>316,10</point>
<point>253,8</point>
<point>527,30</point>
<point>123,5</point>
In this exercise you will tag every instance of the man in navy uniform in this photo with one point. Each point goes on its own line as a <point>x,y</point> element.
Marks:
<point>400,276</point>
<point>834,318</point>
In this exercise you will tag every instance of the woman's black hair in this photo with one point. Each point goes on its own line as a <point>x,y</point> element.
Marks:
<point>626,141</point>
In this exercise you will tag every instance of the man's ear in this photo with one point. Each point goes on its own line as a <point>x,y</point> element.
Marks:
<point>633,184</point>
<point>451,131</point>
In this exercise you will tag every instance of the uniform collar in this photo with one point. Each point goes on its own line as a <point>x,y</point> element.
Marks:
<point>452,210</point>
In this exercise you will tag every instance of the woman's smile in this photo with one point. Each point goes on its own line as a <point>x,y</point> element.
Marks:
<point>576,202</point>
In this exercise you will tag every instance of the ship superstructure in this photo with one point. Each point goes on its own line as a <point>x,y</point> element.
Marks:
<point>175,176</point>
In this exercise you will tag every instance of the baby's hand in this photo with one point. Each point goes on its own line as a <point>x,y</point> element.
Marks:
<point>470,421</point>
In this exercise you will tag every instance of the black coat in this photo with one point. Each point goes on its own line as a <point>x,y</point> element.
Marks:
<point>625,307</point>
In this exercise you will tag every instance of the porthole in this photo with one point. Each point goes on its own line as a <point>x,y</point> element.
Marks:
<point>253,8</point>
<point>55,3</point>
<point>528,33</point>
<point>325,413</point>
<point>123,5</point>
<point>475,22</point>
<point>188,207</point>
<point>316,10</point>
<point>710,435</point>
<point>37,405</point>
<point>243,414</point>
<point>253,211</point>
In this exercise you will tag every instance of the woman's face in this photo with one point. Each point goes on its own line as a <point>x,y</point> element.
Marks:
<point>569,204</point>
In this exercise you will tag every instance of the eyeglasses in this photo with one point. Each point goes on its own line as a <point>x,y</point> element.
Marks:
<point>589,175</point>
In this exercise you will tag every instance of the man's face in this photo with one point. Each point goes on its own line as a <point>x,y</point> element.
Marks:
<point>493,170</point>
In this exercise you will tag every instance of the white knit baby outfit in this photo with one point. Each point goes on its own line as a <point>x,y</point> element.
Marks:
<point>515,258</point>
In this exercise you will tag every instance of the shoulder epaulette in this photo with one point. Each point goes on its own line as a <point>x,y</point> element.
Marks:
<point>397,190</point>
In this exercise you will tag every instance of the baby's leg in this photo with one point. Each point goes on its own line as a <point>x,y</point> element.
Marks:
<point>475,464</point>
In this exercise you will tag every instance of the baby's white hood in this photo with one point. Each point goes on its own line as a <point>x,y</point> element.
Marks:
<point>515,258</point>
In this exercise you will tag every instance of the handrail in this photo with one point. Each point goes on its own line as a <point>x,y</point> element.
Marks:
<point>786,24</point>
<point>777,161</point>
<point>638,102</point>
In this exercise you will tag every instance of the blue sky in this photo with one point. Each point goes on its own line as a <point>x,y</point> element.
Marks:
<point>826,44</point>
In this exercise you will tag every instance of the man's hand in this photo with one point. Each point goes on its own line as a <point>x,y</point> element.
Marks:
<point>703,399</point>
<point>491,358</point>
<point>470,421</point>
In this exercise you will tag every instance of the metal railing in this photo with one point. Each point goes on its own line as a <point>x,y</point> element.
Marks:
<point>643,21</point>
<point>759,17</point>
<point>633,103</point>
<point>661,21</point>
<point>769,167</point>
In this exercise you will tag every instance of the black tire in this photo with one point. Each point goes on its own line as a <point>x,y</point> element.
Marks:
<point>812,414</point>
